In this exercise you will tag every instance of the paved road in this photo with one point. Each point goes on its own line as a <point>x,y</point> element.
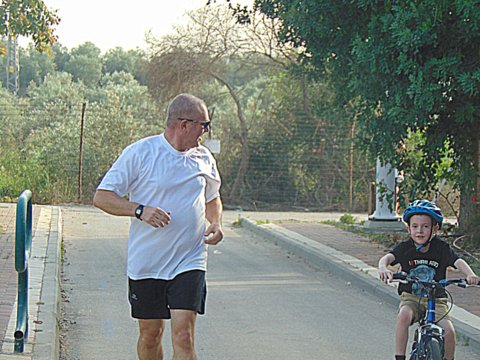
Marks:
<point>263,303</point>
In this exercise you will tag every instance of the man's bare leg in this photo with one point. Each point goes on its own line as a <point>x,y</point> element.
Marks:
<point>149,346</point>
<point>183,334</point>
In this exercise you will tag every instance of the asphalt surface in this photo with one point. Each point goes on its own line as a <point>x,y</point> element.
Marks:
<point>228,283</point>
<point>263,303</point>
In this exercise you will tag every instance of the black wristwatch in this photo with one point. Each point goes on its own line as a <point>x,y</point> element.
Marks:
<point>139,212</point>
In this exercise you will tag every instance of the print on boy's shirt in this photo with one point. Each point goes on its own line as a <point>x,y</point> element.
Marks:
<point>433,263</point>
<point>423,273</point>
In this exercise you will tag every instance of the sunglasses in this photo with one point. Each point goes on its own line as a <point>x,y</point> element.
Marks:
<point>205,124</point>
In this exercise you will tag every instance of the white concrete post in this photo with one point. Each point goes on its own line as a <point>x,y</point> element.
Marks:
<point>385,207</point>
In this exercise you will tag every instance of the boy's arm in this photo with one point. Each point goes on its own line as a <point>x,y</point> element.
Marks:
<point>384,273</point>
<point>472,278</point>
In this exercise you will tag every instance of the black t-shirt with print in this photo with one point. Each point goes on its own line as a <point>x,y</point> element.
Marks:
<point>427,266</point>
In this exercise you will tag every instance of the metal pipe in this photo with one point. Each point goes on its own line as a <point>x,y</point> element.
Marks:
<point>23,247</point>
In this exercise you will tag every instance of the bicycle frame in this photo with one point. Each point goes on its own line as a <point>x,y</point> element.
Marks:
<point>429,337</point>
<point>428,329</point>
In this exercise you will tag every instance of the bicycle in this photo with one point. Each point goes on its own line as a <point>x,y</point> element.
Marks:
<point>428,343</point>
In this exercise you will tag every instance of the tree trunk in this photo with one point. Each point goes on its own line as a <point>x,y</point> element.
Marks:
<point>469,220</point>
<point>239,184</point>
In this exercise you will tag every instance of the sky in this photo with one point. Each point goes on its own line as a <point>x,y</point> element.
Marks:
<point>111,23</point>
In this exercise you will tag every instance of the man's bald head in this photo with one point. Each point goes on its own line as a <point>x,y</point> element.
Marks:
<point>185,106</point>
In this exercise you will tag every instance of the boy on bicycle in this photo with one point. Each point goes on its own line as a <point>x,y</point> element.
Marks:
<point>427,257</point>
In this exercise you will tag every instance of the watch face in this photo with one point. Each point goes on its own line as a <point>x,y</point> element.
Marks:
<point>139,211</point>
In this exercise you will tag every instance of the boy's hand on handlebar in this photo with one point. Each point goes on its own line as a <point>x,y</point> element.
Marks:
<point>473,280</point>
<point>385,274</point>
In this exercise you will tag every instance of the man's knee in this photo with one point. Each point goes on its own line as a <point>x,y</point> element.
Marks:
<point>184,338</point>
<point>150,334</point>
<point>183,330</point>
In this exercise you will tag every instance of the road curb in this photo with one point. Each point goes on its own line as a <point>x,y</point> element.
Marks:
<point>353,271</point>
<point>47,345</point>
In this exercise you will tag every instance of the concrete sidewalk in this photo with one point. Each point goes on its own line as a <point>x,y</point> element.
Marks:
<point>44,296</point>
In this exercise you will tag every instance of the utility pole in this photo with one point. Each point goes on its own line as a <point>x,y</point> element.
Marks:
<point>350,178</point>
<point>11,66</point>
<point>80,157</point>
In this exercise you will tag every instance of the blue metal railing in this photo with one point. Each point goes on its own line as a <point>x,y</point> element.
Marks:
<point>23,247</point>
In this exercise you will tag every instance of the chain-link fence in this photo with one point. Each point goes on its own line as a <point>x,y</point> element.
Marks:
<point>61,153</point>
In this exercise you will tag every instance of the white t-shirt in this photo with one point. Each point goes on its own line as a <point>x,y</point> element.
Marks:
<point>153,173</point>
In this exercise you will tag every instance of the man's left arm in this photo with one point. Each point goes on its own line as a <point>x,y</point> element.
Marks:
<point>213,213</point>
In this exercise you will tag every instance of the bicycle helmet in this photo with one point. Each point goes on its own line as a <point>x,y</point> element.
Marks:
<point>423,207</point>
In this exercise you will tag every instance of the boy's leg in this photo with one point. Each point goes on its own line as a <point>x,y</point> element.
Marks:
<point>404,320</point>
<point>450,338</point>
<point>183,334</point>
<point>149,346</point>
<point>442,313</point>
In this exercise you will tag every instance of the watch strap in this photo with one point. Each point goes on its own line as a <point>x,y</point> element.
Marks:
<point>139,212</point>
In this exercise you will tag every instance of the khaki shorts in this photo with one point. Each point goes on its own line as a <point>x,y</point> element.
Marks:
<point>419,307</point>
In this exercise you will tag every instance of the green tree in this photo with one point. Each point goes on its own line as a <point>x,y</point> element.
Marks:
<point>414,66</point>
<point>34,66</point>
<point>213,47</point>
<point>117,113</point>
<point>18,171</point>
<point>30,18</point>
<point>303,154</point>
<point>131,61</point>
<point>61,56</point>
<point>423,78</point>
<point>51,142</point>
<point>58,88</point>
<point>85,64</point>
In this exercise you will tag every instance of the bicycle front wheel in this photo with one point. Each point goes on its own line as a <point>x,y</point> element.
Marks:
<point>433,350</point>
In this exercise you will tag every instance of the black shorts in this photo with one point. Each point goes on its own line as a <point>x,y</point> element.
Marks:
<point>153,298</point>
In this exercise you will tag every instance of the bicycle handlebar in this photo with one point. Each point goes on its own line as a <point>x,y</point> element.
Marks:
<point>404,277</point>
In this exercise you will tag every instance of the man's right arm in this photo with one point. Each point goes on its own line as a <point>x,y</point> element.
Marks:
<point>113,204</point>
